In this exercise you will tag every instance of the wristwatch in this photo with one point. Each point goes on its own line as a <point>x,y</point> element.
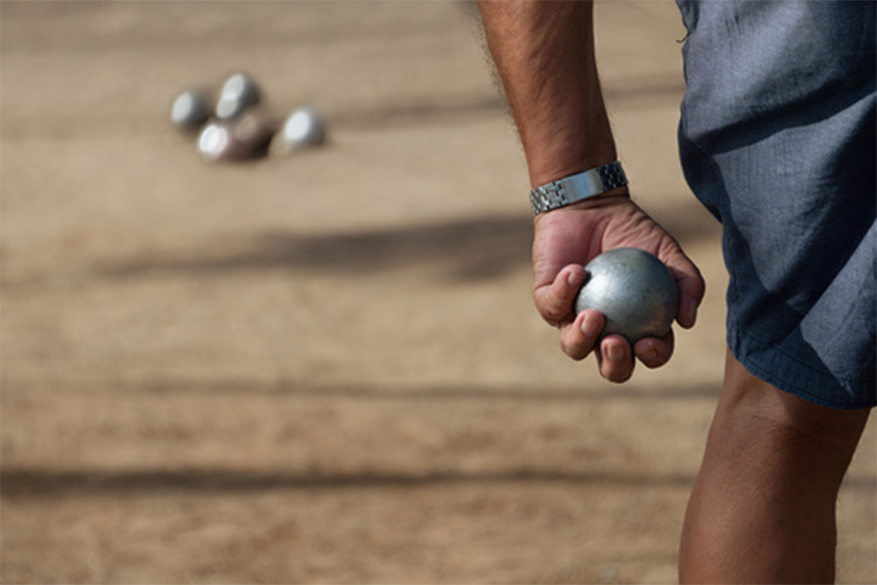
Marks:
<point>577,187</point>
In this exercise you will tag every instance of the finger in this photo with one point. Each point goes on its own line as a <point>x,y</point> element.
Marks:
<point>691,287</point>
<point>615,359</point>
<point>654,352</point>
<point>555,300</point>
<point>578,339</point>
<point>691,291</point>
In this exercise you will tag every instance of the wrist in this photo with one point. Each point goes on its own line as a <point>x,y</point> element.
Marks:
<point>559,158</point>
<point>606,180</point>
<point>595,204</point>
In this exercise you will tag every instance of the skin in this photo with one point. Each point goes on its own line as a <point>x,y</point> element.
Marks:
<point>762,508</point>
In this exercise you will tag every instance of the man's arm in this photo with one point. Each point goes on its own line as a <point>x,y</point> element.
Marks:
<point>544,53</point>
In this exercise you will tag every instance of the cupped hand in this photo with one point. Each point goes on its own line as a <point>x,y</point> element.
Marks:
<point>568,238</point>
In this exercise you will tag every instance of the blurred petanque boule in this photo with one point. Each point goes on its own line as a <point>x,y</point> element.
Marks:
<point>214,141</point>
<point>238,93</point>
<point>190,110</point>
<point>304,128</point>
<point>245,137</point>
<point>633,290</point>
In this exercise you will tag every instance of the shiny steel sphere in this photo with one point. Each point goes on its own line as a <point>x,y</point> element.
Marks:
<point>304,127</point>
<point>190,110</point>
<point>245,137</point>
<point>633,290</point>
<point>238,93</point>
<point>215,142</point>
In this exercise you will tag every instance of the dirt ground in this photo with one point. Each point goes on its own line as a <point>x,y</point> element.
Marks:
<point>326,367</point>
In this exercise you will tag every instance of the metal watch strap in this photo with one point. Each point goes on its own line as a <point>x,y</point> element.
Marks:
<point>577,187</point>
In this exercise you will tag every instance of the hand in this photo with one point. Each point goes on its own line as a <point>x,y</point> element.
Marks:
<point>568,238</point>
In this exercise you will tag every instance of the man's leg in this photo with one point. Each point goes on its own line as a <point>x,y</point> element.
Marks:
<point>763,506</point>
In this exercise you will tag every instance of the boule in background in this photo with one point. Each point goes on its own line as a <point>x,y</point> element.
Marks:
<point>633,290</point>
<point>304,128</point>
<point>245,137</point>
<point>190,110</point>
<point>239,92</point>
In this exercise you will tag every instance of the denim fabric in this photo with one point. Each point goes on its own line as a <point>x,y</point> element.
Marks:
<point>777,140</point>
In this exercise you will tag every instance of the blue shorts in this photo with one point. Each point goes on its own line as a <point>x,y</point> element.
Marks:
<point>777,140</point>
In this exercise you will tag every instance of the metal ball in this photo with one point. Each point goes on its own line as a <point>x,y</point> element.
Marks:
<point>215,142</point>
<point>633,290</point>
<point>245,137</point>
<point>190,110</point>
<point>238,93</point>
<point>304,127</point>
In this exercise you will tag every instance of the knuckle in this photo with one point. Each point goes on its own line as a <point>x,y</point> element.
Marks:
<point>573,351</point>
<point>552,322</point>
<point>554,313</point>
<point>548,310</point>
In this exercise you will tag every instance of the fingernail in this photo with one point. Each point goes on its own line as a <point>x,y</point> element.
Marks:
<point>574,279</point>
<point>591,326</point>
<point>615,352</point>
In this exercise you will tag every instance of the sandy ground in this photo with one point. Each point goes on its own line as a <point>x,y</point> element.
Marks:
<point>326,368</point>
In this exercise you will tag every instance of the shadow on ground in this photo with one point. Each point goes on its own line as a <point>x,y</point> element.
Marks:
<point>32,483</point>
<point>464,250</point>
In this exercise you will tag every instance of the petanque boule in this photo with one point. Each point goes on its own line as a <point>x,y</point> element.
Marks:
<point>215,142</point>
<point>633,290</point>
<point>190,110</point>
<point>304,128</point>
<point>238,93</point>
<point>244,138</point>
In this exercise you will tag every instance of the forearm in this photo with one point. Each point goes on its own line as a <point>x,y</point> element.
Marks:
<point>544,53</point>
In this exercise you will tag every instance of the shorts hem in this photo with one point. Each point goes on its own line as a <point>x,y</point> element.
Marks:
<point>754,362</point>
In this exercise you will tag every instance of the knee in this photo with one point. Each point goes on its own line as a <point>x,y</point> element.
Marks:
<point>763,504</point>
<point>797,436</point>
